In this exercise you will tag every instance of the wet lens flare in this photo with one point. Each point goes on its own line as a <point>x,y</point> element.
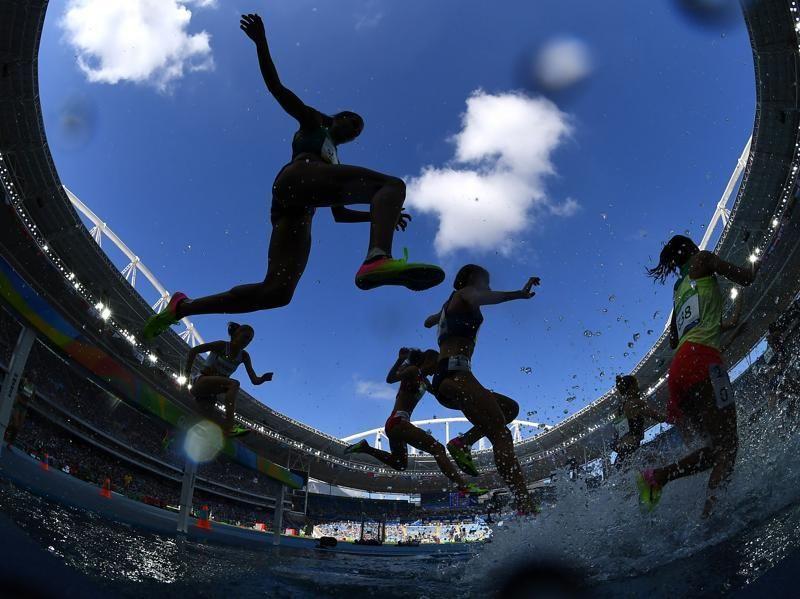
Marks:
<point>560,64</point>
<point>77,122</point>
<point>710,13</point>
<point>203,441</point>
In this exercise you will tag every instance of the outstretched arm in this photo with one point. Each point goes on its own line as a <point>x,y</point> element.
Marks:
<point>476,298</point>
<point>673,332</point>
<point>253,26</point>
<point>393,377</point>
<point>708,263</point>
<point>342,214</point>
<point>254,378</point>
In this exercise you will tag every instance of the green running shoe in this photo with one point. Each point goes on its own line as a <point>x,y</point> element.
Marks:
<point>391,271</point>
<point>462,456</point>
<point>355,447</point>
<point>237,431</point>
<point>158,323</point>
<point>649,490</point>
<point>473,489</point>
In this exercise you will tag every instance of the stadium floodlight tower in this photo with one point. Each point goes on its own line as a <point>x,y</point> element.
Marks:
<point>99,229</point>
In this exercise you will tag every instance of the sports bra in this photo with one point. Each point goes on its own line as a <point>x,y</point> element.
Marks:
<point>223,365</point>
<point>464,325</point>
<point>315,140</point>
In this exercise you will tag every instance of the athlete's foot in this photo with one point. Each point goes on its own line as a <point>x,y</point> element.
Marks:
<point>356,447</point>
<point>462,455</point>
<point>236,431</point>
<point>160,322</point>
<point>472,489</point>
<point>649,489</point>
<point>385,270</point>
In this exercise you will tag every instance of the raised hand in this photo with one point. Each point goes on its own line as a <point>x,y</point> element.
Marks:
<point>253,26</point>
<point>402,221</point>
<point>527,291</point>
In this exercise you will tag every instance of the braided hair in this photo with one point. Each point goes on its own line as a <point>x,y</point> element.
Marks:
<point>674,254</point>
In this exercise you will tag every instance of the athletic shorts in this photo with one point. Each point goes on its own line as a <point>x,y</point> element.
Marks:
<point>280,209</point>
<point>689,368</point>
<point>444,370</point>
<point>397,416</point>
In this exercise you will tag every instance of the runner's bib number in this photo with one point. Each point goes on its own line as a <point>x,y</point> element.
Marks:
<point>328,151</point>
<point>622,427</point>
<point>721,382</point>
<point>688,316</point>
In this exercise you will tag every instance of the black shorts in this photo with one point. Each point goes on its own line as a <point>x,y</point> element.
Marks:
<point>281,209</point>
<point>443,373</point>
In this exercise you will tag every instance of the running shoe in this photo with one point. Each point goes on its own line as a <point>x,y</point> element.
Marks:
<point>158,323</point>
<point>473,489</point>
<point>649,489</point>
<point>356,447</point>
<point>393,271</point>
<point>237,431</point>
<point>462,456</point>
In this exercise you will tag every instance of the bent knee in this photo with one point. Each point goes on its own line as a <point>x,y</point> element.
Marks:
<point>397,185</point>
<point>510,409</point>
<point>276,296</point>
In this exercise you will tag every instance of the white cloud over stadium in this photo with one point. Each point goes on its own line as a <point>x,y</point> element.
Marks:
<point>140,41</point>
<point>374,390</point>
<point>494,188</point>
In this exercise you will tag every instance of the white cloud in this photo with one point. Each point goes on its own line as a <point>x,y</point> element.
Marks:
<point>142,41</point>
<point>374,390</point>
<point>494,187</point>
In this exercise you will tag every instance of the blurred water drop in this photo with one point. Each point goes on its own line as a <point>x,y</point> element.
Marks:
<point>77,121</point>
<point>712,14</point>
<point>560,64</point>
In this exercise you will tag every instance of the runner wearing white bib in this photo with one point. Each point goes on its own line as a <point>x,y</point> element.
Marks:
<point>214,378</point>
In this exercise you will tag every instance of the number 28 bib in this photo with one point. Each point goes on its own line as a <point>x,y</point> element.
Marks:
<point>688,315</point>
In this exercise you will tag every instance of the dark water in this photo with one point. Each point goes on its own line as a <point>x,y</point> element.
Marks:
<point>124,562</point>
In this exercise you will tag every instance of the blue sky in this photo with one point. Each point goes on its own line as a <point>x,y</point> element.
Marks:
<point>180,162</point>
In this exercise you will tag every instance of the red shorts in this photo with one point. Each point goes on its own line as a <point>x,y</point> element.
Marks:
<point>397,416</point>
<point>689,368</point>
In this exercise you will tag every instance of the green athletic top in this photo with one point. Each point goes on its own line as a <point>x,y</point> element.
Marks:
<point>315,140</point>
<point>698,309</point>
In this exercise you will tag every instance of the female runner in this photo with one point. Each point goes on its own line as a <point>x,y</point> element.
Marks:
<point>411,370</point>
<point>314,178</point>
<point>215,375</point>
<point>456,387</point>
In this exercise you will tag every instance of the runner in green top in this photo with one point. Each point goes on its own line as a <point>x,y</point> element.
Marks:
<point>314,178</point>
<point>700,392</point>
